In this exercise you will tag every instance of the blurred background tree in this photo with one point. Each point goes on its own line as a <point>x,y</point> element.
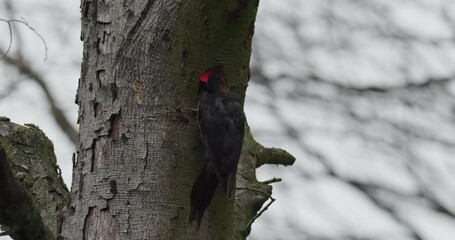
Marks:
<point>360,92</point>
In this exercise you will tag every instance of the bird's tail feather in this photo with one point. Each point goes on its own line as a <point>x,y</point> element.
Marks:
<point>203,189</point>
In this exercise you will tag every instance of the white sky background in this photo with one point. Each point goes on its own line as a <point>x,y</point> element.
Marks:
<point>370,165</point>
<point>58,22</point>
<point>406,152</point>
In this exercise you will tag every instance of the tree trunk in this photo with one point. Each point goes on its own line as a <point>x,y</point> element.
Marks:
<point>138,151</point>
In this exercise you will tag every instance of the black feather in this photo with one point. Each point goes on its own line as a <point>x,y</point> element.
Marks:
<point>202,193</point>
<point>221,123</point>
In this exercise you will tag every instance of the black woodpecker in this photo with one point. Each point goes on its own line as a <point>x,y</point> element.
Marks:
<point>221,123</point>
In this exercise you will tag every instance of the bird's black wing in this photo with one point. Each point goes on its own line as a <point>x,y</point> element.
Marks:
<point>222,127</point>
<point>233,141</point>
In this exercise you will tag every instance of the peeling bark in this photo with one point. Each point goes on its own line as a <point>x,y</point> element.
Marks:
<point>139,150</point>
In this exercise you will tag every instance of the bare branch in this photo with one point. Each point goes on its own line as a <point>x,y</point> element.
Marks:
<point>23,22</point>
<point>273,180</point>
<point>10,88</point>
<point>275,156</point>
<point>263,209</point>
<point>256,72</point>
<point>57,113</point>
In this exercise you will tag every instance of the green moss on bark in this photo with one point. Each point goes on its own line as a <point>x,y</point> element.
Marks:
<point>206,34</point>
<point>34,165</point>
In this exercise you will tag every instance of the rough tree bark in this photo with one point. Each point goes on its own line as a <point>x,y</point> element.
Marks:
<point>138,151</point>
<point>32,193</point>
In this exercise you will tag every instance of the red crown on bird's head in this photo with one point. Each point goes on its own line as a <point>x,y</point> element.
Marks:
<point>204,77</point>
<point>219,74</point>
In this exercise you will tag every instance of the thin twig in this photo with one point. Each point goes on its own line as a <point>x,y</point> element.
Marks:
<point>273,180</point>
<point>24,22</point>
<point>263,209</point>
